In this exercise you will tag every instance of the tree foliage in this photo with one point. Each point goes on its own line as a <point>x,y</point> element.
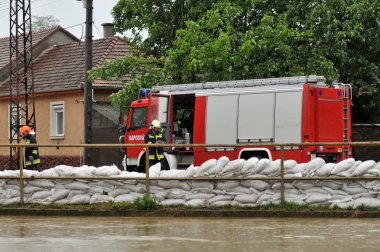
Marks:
<point>143,72</point>
<point>243,39</point>
<point>43,22</point>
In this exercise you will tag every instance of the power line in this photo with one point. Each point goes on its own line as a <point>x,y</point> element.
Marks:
<point>6,5</point>
<point>97,28</point>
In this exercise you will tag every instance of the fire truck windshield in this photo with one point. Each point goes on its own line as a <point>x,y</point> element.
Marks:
<point>138,118</point>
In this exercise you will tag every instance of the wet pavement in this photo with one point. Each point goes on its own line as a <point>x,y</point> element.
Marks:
<point>187,234</point>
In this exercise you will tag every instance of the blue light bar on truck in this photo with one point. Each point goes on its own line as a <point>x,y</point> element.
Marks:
<point>144,93</point>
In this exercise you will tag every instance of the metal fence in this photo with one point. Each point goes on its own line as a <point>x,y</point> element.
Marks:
<point>282,179</point>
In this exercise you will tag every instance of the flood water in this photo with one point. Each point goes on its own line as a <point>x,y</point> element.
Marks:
<point>187,234</point>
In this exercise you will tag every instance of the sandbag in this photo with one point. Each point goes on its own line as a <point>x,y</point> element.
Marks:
<point>221,197</point>
<point>140,188</point>
<point>84,171</point>
<point>155,170</point>
<point>273,169</point>
<point>324,170</point>
<point>196,203</point>
<point>116,192</point>
<point>313,198</point>
<point>299,168</point>
<point>343,165</point>
<point>125,198</point>
<point>176,193</point>
<point>160,196</point>
<point>173,202</point>
<point>240,190</point>
<point>249,165</point>
<point>342,205</point>
<point>127,174</point>
<point>289,164</point>
<point>201,185</point>
<point>44,183</point>
<point>199,196</point>
<point>313,165</point>
<point>64,170</point>
<point>99,198</point>
<point>95,190</point>
<point>367,202</point>
<point>214,170</point>
<point>61,202</point>
<point>106,171</point>
<point>257,184</point>
<point>225,185</point>
<point>170,174</point>
<point>41,194</point>
<point>353,188</point>
<point>47,173</point>
<point>221,203</point>
<point>73,193</point>
<point>205,167</point>
<point>29,189</point>
<point>59,194</point>
<point>222,161</point>
<point>189,172</point>
<point>174,184</point>
<point>363,168</point>
<point>76,185</point>
<point>335,185</point>
<point>233,166</point>
<point>261,165</point>
<point>246,198</point>
<point>80,199</point>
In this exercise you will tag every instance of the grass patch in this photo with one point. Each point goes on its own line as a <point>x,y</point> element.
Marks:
<point>364,208</point>
<point>146,203</point>
<point>289,206</point>
<point>149,203</point>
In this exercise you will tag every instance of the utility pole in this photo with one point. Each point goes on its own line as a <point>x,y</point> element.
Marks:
<point>21,111</point>
<point>88,84</point>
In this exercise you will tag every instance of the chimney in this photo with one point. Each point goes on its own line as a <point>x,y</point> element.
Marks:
<point>107,30</point>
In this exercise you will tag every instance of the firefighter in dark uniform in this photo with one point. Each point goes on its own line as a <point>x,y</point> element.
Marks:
<point>156,135</point>
<point>31,155</point>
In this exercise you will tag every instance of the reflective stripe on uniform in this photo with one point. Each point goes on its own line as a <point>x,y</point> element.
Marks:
<point>36,161</point>
<point>35,152</point>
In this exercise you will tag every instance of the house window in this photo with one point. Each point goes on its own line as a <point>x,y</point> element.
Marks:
<point>11,118</point>
<point>57,119</point>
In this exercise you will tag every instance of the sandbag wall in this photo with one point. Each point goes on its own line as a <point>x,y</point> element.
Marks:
<point>203,193</point>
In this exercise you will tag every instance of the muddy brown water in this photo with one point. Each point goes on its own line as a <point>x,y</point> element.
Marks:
<point>187,234</point>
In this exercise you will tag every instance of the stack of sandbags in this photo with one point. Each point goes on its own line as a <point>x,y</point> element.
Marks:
<point>194,186</point>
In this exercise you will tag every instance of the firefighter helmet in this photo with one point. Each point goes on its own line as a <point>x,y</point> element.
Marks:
<point>25,130</point>
<point>156,124</point>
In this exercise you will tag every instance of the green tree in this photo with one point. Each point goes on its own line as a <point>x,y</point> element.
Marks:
<point>143,72</point>
<point>43,22</point>
<point>159,18</point>
<point>242,39</point>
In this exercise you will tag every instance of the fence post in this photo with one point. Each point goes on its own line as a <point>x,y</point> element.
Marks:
<point>21,167</point>
<point>147,170</point>
<point>282,174</point>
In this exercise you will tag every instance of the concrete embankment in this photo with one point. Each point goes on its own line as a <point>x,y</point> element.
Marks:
<point>178,212</point>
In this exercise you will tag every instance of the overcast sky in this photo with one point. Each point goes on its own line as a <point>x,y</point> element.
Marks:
<point>69,12</point>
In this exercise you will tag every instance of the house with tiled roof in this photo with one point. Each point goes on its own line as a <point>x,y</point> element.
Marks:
<point>59,77</point>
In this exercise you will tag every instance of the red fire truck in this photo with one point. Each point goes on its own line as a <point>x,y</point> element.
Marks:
<point>277,110</point>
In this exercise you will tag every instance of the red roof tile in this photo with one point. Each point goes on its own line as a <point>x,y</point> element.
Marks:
<point>62,67</point>
<point>37,37</point>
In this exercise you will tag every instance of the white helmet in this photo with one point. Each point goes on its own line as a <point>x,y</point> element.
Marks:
<point>156,124</point>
